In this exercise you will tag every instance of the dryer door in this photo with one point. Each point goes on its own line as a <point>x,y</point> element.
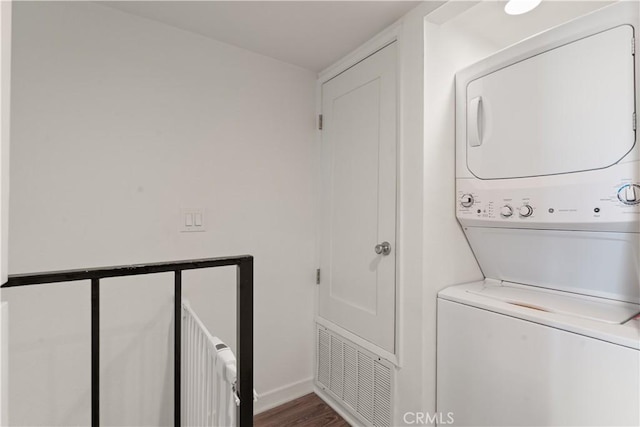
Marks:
<point>568,109</point>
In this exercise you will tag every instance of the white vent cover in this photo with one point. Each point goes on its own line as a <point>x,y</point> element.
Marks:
<point>353,376</point>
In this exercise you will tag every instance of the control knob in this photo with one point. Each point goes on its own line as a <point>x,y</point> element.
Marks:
<point>466,200</point>
<point>506,211</point>
<point>629,194</point>
<point>525,211</point>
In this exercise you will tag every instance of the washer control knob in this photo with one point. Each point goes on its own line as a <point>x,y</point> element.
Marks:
<point>506,211</point>
<point>466,200</point>
<point>629,194</point>
<point>525,211</point>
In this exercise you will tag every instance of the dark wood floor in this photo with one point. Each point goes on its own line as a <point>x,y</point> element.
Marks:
<point>307,410</point>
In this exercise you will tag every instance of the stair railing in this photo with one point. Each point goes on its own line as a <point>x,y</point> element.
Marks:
<point>244,320</point>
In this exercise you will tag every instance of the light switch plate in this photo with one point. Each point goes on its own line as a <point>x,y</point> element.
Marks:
<point>192,220</point>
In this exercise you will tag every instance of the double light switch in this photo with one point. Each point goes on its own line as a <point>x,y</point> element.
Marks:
<point>192,220</point>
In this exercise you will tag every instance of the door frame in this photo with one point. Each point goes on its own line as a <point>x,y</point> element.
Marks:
<point>378,42</point>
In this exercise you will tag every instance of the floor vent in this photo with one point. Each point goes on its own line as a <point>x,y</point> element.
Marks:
<point>355,377</point>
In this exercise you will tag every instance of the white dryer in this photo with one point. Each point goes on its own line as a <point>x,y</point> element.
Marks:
<point>548,188</point>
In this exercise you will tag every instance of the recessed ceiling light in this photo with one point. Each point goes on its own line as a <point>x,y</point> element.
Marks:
<point>518,7</point>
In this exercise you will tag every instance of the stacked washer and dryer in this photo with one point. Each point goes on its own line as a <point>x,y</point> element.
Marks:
<point>548,196</point>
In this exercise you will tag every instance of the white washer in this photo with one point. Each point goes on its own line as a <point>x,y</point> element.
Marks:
<point>568,361</point>
<point>548,187</point>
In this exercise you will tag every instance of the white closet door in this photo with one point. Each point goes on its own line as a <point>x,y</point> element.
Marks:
<point>357,288</point>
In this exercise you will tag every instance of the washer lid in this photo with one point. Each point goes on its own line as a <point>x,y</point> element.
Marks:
<point>599,309</point>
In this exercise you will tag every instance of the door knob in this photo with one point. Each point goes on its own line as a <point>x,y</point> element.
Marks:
<point>383,248</point>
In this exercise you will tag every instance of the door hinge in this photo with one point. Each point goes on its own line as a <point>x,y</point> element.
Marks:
<point>634,121</point>
<point>320,121</point>
<point>633,46</point>
<point>318,276</point>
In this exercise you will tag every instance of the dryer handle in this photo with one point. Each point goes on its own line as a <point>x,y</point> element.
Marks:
<point>473,122</point>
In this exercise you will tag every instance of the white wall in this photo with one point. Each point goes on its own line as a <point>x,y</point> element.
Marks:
<point>5,91</point>
<point>410,388</point>
<point>118,122</point>
<point>448,260</point>
<point>5,124</point>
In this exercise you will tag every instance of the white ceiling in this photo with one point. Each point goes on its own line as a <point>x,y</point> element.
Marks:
<point>310,34</point>
<point>488,20</point>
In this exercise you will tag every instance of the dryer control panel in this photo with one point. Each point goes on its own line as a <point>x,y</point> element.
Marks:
<point>577,204</point>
